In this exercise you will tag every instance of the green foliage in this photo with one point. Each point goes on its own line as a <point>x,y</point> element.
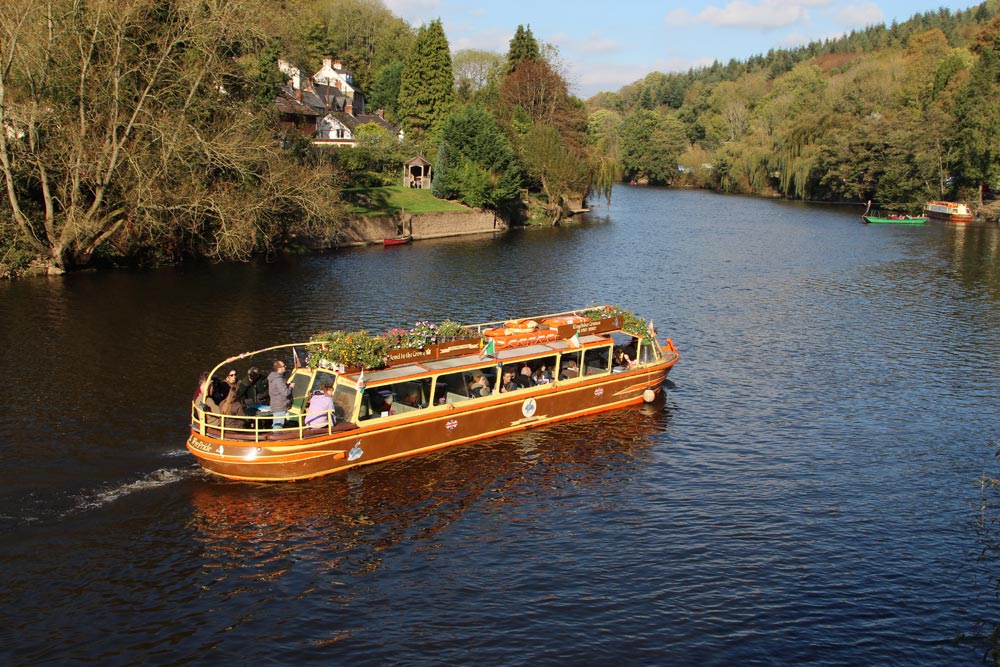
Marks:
<point>476,163</point>
<point>355,349</point>
<point>631,323</point>
<point>651,145</point>
<point>523,47</point>
<point>359,349</point>
<point>384,92</point>
<point>427,87</point>
<point>977,128</point>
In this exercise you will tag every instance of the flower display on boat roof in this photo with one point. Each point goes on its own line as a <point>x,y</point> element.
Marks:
<point>631,323</point>
<point>359,349</point>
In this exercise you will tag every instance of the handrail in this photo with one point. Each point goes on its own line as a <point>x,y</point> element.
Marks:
<point>199,418</point>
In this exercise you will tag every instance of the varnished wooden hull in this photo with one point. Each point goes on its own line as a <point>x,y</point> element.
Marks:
<point>427,429</point>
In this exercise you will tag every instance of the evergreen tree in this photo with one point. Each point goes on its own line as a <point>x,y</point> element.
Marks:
<point>427,87</point>
<point>476,163</point>
<point>523,47</point>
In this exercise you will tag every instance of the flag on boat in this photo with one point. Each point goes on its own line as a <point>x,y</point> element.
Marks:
<point>295,355</point>
<point>574,340</point>
<point>652,331</point>
<point>361,380</point>
<point>489,350</point>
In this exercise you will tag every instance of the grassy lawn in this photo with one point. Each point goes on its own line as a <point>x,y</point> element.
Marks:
<point>393,199</point>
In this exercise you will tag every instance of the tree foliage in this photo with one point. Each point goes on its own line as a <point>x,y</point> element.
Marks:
<point>127,121</point>
<point>523,48</point>
<point>426,91</point>
<point>476,163</point>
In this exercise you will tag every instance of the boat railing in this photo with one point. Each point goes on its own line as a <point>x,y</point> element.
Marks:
<point>217,424</point>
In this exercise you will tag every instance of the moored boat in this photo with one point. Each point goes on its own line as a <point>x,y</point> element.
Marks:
<point>397,240</point>
<point>948,211</point>
<point>488,379</point>
<point>897,220</point>
<point>890,219</point>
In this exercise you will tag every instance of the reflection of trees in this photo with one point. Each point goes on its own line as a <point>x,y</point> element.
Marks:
<point>974,256</point>
<point>344,524</point>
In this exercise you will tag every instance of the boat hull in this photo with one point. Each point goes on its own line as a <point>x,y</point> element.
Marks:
<point>893,221</point>
<point>426,430</point>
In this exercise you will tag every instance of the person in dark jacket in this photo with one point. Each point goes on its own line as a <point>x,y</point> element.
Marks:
<point>279,392</point>
<point>252,390</point>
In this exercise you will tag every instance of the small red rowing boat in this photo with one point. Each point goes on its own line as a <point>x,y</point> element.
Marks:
<point>397,240</point>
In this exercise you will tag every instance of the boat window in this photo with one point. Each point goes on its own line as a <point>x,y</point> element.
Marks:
<point>343,402</point>
<point>647,352</point>
<point>596,360</point>
<point>455,387</point>
<point>301,380</point>
<point>569,364</point>
<point>395,398</point>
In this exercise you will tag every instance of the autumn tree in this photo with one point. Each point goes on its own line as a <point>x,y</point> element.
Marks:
<point>427,88</point>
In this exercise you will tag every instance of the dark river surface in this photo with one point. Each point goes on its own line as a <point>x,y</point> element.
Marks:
<point>807,494</point>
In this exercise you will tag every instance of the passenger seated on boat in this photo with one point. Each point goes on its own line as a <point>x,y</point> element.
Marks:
<point>569,370</point>
<point>507,381</point>
<point>320,411</point>
<point>523,377</point>
<point>213,390</point>
<point>542,376</point>
<point>382,403</point>
<point>479,386</point>
<point>231,406</point>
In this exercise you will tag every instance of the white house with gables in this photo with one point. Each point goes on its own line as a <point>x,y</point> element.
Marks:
<point>327,106</point>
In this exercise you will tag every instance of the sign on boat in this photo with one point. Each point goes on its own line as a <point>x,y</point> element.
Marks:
<point>484,380</point>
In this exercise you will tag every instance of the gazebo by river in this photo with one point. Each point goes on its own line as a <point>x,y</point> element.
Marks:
<point>417,173</point>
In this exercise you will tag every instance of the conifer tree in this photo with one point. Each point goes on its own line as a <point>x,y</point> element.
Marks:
<point>427,87</point>
<point>523,47</point>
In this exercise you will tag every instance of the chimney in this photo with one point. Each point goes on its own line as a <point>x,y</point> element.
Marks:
<point>337,65</point>
<point>298,94</point>
<point>349,107</point>
<point>326,61</point>
<point>297,81</point>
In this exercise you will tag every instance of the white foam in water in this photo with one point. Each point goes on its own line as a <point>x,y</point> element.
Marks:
<point>153,480</point>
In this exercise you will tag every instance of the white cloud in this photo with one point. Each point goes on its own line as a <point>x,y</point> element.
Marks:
<point>743,14</point>
<point>414,12</point>
<point>859,16</point>
<point>592,43</point>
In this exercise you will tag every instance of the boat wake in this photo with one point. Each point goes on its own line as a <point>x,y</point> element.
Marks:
<point>95,499</point>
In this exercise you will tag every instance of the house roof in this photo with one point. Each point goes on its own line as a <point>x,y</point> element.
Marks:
<point>352,122</point>
<point>286,103</point>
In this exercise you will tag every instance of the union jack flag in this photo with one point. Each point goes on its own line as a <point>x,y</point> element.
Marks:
<point>451,424</point>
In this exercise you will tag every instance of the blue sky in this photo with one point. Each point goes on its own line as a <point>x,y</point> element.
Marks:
<point>605,45</point>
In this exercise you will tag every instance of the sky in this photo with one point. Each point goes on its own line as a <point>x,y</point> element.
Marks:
<point>606,45</point>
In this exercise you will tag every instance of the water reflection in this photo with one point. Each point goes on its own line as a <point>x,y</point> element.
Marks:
<point>344,523</point>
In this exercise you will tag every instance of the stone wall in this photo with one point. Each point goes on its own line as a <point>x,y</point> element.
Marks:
<point>363,231</point>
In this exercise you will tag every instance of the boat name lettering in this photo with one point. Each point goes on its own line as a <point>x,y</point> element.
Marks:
<point>199,445</point>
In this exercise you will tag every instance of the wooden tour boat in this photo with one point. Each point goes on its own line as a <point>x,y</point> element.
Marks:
<point>424,398</point>
<point>948,211</point>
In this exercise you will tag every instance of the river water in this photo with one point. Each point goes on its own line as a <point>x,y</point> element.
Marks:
<point>806,495</point>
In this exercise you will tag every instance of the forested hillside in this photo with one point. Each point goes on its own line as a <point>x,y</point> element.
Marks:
<point>899,114</point>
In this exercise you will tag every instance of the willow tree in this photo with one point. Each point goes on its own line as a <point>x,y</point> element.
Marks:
<point>120,115</point>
